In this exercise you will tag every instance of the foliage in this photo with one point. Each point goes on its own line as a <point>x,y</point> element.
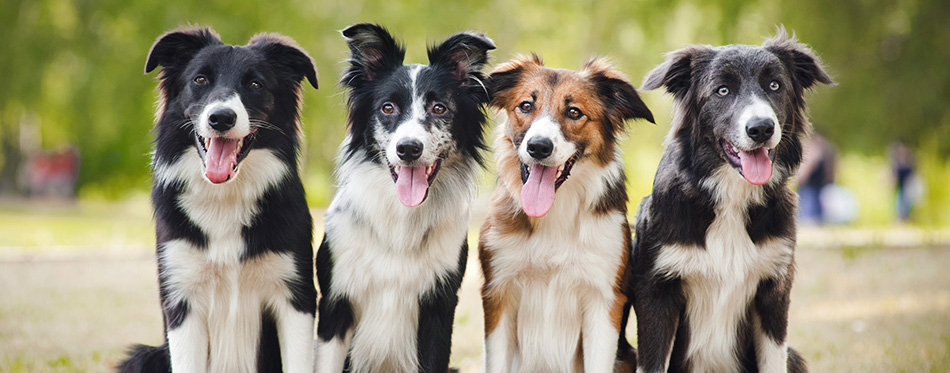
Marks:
<point>75,67</point>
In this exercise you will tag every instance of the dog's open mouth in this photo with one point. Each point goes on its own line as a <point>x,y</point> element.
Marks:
<point>412,183</point>
<point>539,184</point>
<point>754,165</point>
<point>222,155</point>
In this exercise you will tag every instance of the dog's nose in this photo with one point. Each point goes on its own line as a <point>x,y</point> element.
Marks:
<point>222,120</point>
<point>761,129</point>
<point>540,147</point>
<point>409,149</point>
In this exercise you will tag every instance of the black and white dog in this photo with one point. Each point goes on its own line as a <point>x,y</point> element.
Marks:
<point>394,252</point>
<point>713,258</point>
<point>233,232</point>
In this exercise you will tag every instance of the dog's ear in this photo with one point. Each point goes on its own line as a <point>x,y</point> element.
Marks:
<point>620,98</point>
<point>285,53</point>
<point>374,52</point>
<point>507,75</point>
<point>800,61</point>
<point>465,53</point>
<point>179,46</point>
<point>676,72</point>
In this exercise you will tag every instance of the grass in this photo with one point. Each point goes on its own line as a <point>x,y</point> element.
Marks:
<point>79,285</point>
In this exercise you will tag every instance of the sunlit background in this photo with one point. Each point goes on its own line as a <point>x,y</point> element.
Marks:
<point>77,277</point>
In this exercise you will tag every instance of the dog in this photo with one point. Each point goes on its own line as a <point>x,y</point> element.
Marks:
<point>394,252</point>
<point>713,259</point>
<point>233,231</point>
<point>554,248</point>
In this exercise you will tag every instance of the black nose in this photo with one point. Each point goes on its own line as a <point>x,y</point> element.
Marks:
<point>409,149</point>
<point>761,129</point>
<point>222,120</point>
<point>540,147</point>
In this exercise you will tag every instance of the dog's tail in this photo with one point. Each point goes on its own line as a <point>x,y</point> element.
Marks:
<point>146,359</point>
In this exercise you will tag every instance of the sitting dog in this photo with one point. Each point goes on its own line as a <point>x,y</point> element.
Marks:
<point>713,256</point>
<point>395,248</point>
<point>233,231</point>
<point>553,250</point>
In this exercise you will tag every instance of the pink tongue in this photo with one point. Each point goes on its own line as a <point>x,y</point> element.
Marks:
<point>537,194</point>
<point>756,166</point>
<point>411,185</point>
<point>222,154</point>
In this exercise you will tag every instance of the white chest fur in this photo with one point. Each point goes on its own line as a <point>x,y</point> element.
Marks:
<point>720,281</point>
<point>556,273</point>
<point>386,255</point>
<point>225,295</point>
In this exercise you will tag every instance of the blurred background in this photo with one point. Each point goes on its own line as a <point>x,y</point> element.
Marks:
<point>77,276</point>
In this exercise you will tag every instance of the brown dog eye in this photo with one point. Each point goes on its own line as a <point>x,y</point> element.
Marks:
<point>574,113</point>
<point>723,91</point>
<point>388,108</point>
<point>438,109</point>
<point>201,80</point>
<point>525,107</point>
<point>255,85</point>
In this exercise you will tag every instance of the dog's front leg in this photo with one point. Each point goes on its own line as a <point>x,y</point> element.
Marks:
<point>295,333</point>
<point>600,334</point>
<point>770,321</point>
<point>437,316</point>
<point>187,338</point>
<point>500,334</point>
<point>658,305</point>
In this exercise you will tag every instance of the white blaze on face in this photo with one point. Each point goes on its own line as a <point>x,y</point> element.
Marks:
<point>757,109</point>
<point>242,124</point>
<point>546,127</point>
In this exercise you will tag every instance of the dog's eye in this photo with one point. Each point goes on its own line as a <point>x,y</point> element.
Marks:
<point>574,113</point>
<point>525,107</point>
<point>723,91</point>
<point>255,85</point>
<point>388,108</point>
<point>201,80</point>
<point>438,109</point>
<point>774,85</point>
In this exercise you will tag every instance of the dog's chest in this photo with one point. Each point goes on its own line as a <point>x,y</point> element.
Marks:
<point>720,281</point>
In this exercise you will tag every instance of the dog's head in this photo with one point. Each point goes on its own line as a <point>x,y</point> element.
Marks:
<point>744,103</point>
<point>414,118</point>
<point>557,118</point>
<point>227,100</point>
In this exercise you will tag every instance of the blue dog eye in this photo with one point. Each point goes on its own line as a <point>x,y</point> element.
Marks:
<point>723,91</point>
<point>774,85</point>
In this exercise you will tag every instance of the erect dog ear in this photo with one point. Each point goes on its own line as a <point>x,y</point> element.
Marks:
<point>620,98</point>
<point>800,61</point>
<point>179,46</point>
<point>507,75</point>
<point>374,53</point>
<point>466,53</point>
<point>676,72</point>
<point>286,54</point>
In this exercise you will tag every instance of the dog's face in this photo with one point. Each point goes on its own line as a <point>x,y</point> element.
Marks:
<point>747,99</point>
<point>413,118</point>
<point>229,99</point>
<point>558,117</point>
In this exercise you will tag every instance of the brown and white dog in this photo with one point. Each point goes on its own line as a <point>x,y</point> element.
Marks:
<point>554,264</point>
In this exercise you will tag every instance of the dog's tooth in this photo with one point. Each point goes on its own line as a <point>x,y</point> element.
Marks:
<point>398,168</point>
<point>734,149</point>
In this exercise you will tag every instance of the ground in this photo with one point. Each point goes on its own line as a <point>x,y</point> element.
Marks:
<point>78,285</point>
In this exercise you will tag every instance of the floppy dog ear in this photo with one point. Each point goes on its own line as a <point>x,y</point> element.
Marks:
<point>179,46</point>
<point>800,61</point>
<point>676,72</point>
<point>619,96</point>
<point>507,75</point>
<point>285,52</point>
<point>466,53</point>
<point>374,53</point>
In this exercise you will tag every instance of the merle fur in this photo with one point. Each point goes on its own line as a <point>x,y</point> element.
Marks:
<point>679,211</point>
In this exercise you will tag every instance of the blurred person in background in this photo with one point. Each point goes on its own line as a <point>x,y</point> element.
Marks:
<point>817,171</point>
<point>907,183</point>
